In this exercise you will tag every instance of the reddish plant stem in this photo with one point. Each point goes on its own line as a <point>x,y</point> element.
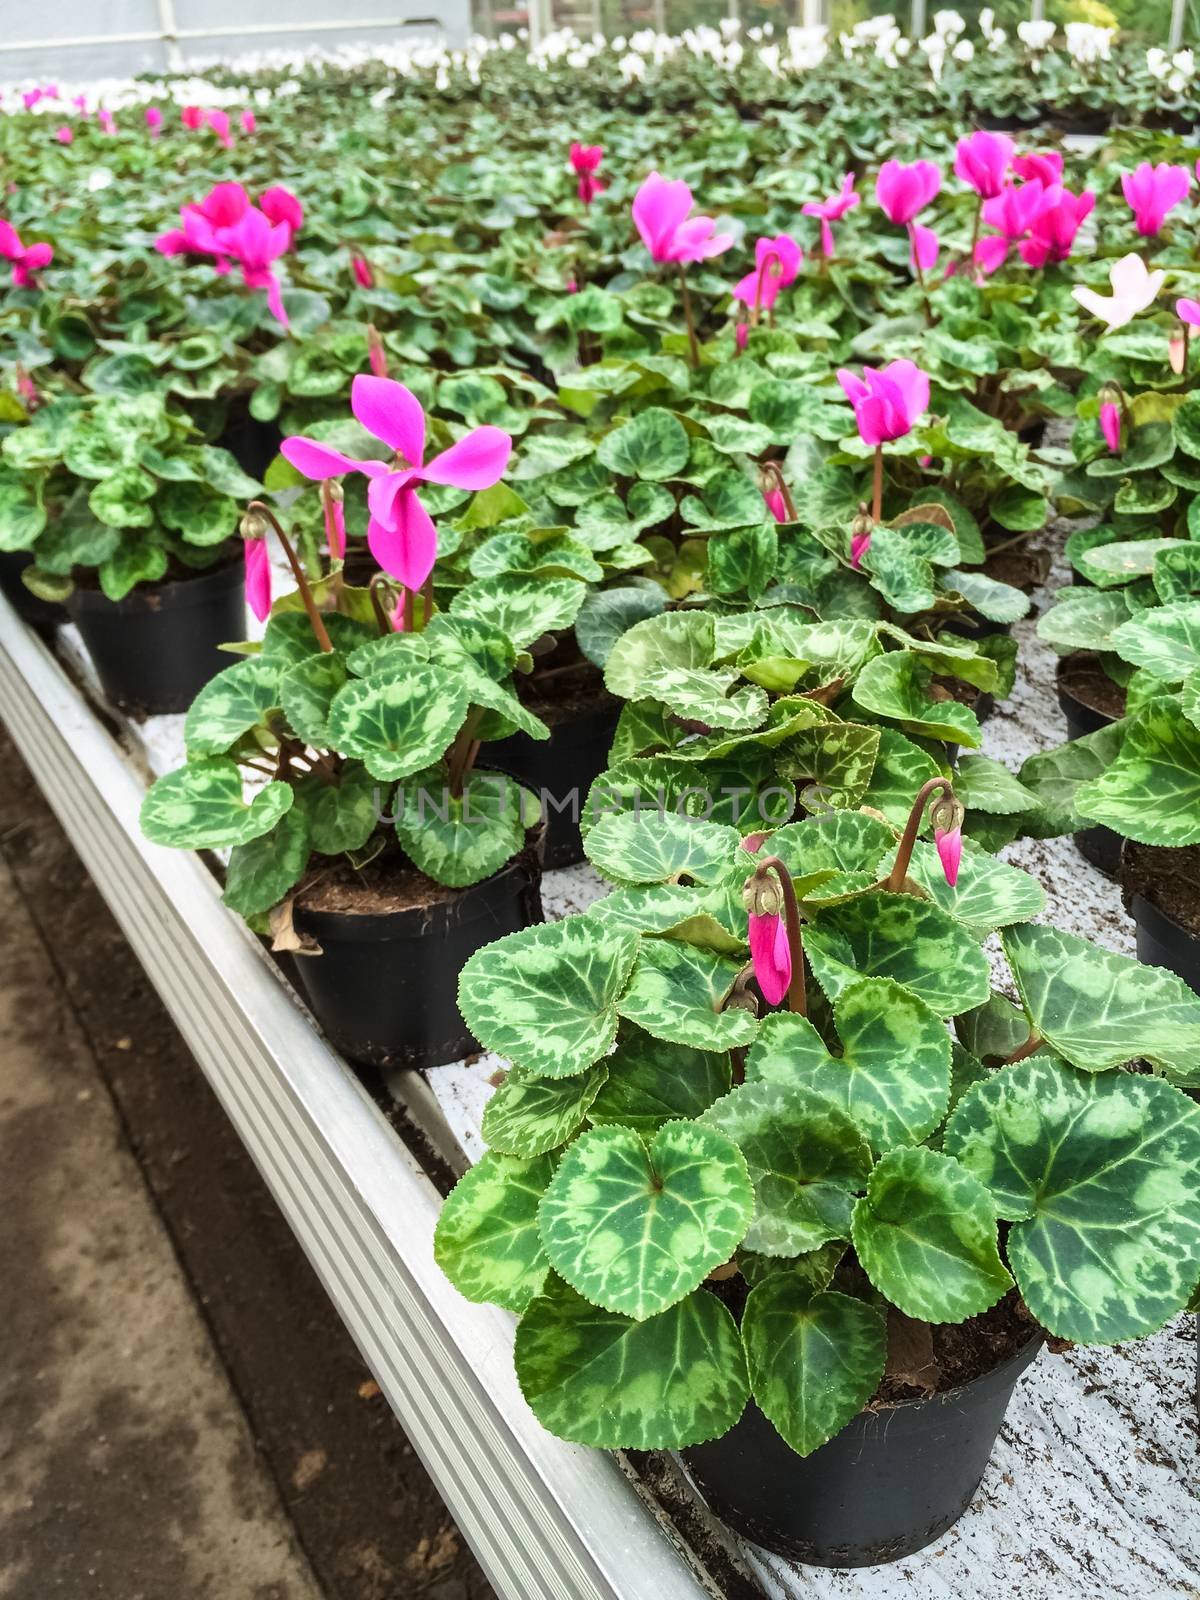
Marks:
<point>774,474</point>
<point>1033,1043</point>
<point>310,605</point>
<point>899,872</point>
<point>797,995</point>
<point>379,587</point>
<point>877,487</point>
<point>756,309</point>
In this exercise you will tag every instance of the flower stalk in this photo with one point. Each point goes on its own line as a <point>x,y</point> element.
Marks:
<point>257,509</point>
<point>769,891</point>
<point>948,816</point>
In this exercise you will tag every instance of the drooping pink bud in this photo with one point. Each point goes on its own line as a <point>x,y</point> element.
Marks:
<point>65,135</point>
<point>258,577</point>
<point>363,276</point>
<point>1177,353</point>
<point>949,849</point>
<point>1110,424</point>
<point>860,543</point>
<point>218,121</point>
<point>154,121</point>
<point>249,122</point>
<point>572,286</point>
<point>771,955</point>
<point>775,504</point>
<point>740,334</point>
<point>192,117</point>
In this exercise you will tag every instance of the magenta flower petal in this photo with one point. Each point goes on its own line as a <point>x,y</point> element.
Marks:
<point>384,491</point>
<point>771,955</point>
<point>1110,424</point>
<point>476,462</point>
<point>949,849</point>
<point>392,413</point>
<point>226,204</point>
<point>1188,311</point>
<point>924,251</point>
<point>913,385</point>
<point>258,577</point>
<point>10,242</point>
<point>853,386</point>
<point>775,504</point>
<point>319,461</point>
<point>408,550</point>
<point>991,253</point>
<point>659,207</point>
<point>860,543</point>
<point>982,160</point>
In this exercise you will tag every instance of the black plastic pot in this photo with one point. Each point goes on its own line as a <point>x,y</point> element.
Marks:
<point>158,647</point>
<point>1099,845</point>
<point>890,1483</point>
<point>385,987</point>
<point>40,614</point>
<point>1161,942</point>
<point>252,444</point>
<point>559,770</point>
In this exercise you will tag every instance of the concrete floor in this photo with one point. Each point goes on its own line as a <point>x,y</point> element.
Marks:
<point>127,1469</point>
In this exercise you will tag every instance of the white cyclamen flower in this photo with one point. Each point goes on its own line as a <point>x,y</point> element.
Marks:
<point>1036,35</point>
<point>964,50</point>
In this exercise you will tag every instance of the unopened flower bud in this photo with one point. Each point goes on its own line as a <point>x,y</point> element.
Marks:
<point>254,525</point>
<point>947,813</point>
<point>762,897</point>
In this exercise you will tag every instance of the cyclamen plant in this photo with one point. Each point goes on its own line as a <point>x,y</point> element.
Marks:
<point>653,1137</point>
<point>367,739</point>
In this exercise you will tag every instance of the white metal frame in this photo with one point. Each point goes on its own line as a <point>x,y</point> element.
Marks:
<point>548,1520</point>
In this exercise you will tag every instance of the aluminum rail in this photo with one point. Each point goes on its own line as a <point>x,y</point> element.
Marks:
<point>229,31</point>
<point>547,1520</point>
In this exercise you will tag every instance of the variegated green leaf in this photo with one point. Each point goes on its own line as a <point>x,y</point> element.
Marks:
<point>1110,564</point>
<point>815,1267</point>
<point>984,784</point>
<point>846,845</point>
<point>481,658</point>
<point>201,807</point>
<point>531,1116</point>
<point>1054,777</point>
<point>703,697</point>
<point>925,1234</point>
<point>398,726</point>
<point>900,770</point>
<point>636,1225</point>
<point>1151,792</point>
<point>306,692</point>
<point>835,763</point>
<point>892,1078</point>
<point>652,445</point>
<point>651,1082</point>
<point>546,996</point>
<point>524,608</point>
<point>262,870</point>
<point>987,895</point>
<point>342,815</point>
<point>898,936</point>
<point>1165,640</point>
<point>1084,619</point>
<point>230,704</point>
<point>902,574</point>
<point>607,1381</point>
<point>998,602</point>
<point>1177,571</point>
<point>487,1241</point>
<point>676,994</point>
<point>806,1161</point>
<point>1100,1177</point>
<point>949,656</point>
<point>896,686</point>
<point>660,847</point>
<point>460,840</point>
<point>1099,1009</point>
<point>697,915</point>
<point>682,639</point>
<point>814,1358</point>
<point>289,636</point>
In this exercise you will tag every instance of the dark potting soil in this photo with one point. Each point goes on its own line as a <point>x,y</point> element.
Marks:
<point>389,883</point>
<point>1169,879</point>
<point>1086,679</point>
<point>966,694</point>
<point>1022,567</point>
<point>560,688</point>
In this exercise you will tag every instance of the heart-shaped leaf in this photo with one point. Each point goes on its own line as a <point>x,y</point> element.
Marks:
<point>531,1116</point>
<point>814,1359</point>
<point>1085,621</point>
<point>892,1078</point>
<point>1151,792</point>
<point>461,839</point>
<point>398,726</point>
<point>653,445</point>
<point>306,692</point>
<point>901,768</point>
<point>676,994</point>
<point>984,784</point>
<point>987,895</point>
<point>486,1240</point>
<point>660,847</point>
<point>522,607</point>
<point>1100,1177</point>
<point>897,936</point>
<point>651,1082</point>
<point>833,855</point>
<point>201,807</point>
<point>1165,640</point>
<point>896,685</point>
<point>682,639</point>
<point>230,704</point>
<point>1099,1009</point>
<point>702,697</point>
<point>262,871</point>
<point>635,1225</point>
<point>613,1383</point>
<point>806,1160</point>
<point>546,997</point>
<point>925,1234</point>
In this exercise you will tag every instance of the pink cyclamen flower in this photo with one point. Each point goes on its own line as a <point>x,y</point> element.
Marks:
<point>1044,165</point>
<point>923,247</point>
<point>1188,311</point>
<point>249,122</point>
<point>400,533</point>
<point>860,543</point>
<point>775,504</point>
<point>363,276</point>
<point>740,334</point>
<point>106,120</point>
<point>1153,191</point>
<point>982,159</point>
<point>949,849</point>
<point>1012,213</point>
<point>832,209</point>
<point>1110,424</point>
<point>902,189</point>
<point>1052,236</point>
<point>218,121</point>
<point>192,117</point>
<point>887,403</point>
<point>64,135</point>
<point>256,244</point>
<point>571,286</point>
<point>585,159</point>
<point>258,577</point>
<point>660,213</point>
<point>25,261</point>
<point>154,121</point>
<point>281,205</point>
<point>776,263</point>
<point>772,956</point>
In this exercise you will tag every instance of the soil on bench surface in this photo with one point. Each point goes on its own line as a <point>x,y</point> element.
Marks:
<point>365,1512</point>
